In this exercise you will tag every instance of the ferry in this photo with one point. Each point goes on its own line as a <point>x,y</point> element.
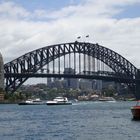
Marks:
<point>136,111</point>
<point>59,101</point>
<point>108,99</point>
<point>36,101</point>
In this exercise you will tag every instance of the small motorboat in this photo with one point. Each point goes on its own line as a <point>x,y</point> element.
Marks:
<point>36,101</point>
<point>59,101</point>
<point>136,111</point>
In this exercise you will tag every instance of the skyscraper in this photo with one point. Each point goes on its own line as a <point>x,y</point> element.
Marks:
<point>70,82</point>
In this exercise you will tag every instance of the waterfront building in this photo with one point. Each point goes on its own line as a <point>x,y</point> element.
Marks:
<point>57,83</point>
<point>99,85</point>
<point>1,96</point>
<point>49,82</point>
<point>86,84</point>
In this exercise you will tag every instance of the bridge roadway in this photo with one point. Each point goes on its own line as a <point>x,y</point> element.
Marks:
<point>116,78</point>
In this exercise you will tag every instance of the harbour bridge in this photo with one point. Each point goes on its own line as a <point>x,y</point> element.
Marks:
<point>88,60</point>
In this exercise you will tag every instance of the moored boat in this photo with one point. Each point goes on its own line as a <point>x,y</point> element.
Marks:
<point>36,101</point>
<point>136,111</point>
<point>108,99</point>
<point>59,101</point>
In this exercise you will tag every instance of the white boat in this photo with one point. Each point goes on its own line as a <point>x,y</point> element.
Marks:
<point>59,101</point>
<point>108,99</point>
<point>36,101</point>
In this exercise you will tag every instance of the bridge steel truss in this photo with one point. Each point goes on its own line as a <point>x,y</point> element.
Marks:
<point>20,69</point>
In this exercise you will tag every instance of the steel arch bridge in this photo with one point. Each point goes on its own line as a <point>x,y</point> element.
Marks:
<point>29,65</point>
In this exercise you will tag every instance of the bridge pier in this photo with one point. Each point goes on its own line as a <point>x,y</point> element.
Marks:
<point>137,92</point>
<point>137,88</point>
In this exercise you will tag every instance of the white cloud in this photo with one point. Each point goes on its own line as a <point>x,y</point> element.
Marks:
<point>21,31</point>
<point>11,10</point>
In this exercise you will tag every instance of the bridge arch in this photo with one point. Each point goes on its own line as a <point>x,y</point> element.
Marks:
<point>33,61</point>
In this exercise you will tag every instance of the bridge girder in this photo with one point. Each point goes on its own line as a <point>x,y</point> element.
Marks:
<point>33,61</point>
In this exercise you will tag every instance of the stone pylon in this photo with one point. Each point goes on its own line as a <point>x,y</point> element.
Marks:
<point>1,73</point>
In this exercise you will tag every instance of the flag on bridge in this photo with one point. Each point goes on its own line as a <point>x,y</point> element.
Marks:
<point>78,37</point>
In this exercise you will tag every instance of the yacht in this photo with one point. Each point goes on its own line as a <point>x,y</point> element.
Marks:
<point>36,101</point>
<point>59,101</point>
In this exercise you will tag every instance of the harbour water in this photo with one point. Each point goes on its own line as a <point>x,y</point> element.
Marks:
<point>81,121</point>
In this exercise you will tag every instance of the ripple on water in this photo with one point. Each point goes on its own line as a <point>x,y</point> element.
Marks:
<point>84,121</point>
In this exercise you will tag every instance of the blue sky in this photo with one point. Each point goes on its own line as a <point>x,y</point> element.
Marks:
<point>44,4</point>
<point>129,11</point>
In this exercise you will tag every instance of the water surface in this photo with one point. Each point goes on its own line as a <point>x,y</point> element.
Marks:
<point>81,121</point>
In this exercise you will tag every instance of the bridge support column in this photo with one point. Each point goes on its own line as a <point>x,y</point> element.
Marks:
<point>137,89</point>
<point>137,93</point>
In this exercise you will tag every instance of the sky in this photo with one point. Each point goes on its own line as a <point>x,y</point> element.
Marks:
<point>26,25</point>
